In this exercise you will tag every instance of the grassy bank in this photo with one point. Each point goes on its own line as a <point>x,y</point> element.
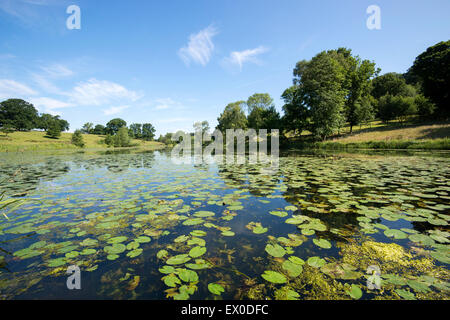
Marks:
<point>395,136</point>
<point>38,141</point>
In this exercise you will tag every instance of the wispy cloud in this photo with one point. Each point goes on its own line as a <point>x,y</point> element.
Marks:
<point>27,10</point>
<point>48,105</point>
<point>114,110</point>
<point>99,92</point>
<point>13,89</point>
<point>168,103</point>
<point>47,74</point>
<point>238,58</point>
<point>199,48</point>
<point>57,71</point>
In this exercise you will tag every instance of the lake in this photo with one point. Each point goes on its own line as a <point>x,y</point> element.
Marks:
<point>139,226</point>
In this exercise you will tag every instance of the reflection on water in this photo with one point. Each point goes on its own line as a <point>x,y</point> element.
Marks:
<point>141,227</point>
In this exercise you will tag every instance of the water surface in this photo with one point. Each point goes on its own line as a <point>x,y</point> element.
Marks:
<point>142,227</point>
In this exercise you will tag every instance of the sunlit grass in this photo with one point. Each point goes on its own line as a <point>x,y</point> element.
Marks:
<point>36,140</point>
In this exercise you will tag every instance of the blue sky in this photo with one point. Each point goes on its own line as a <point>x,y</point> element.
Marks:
<point>172,63</point>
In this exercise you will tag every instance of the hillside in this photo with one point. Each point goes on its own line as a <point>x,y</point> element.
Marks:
<point>36,140</point>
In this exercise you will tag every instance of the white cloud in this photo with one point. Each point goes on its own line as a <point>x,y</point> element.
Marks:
<point>238,58</point>
<point>114,110</point>
<point>45,104</point>
<point>57,71</point>
<point>98,92</point>
<point>13,89</point>
<point>199,48</point>
<point>168,103</point>
<point>44,83</point>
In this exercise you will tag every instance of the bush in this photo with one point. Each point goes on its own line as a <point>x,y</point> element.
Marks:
<point>425,107</point>
<point>54,130</point>
<point>77,139</point>
<point>120,139</point>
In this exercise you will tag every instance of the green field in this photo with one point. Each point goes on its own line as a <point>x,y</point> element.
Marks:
<point>377,135</point>
<point>36,141</point>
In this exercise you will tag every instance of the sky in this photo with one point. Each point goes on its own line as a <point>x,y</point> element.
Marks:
<point>175,62</point>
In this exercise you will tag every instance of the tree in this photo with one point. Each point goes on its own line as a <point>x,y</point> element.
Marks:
<point>99,130</point>
<point>120,139</point>
<point>425,108</point>
<point>54,130</point>
<point>393,84</point>
<point>136,130</point>
<point>359,75</point>
<point>19,114</point>
<point>262,112</point>
<point>44,121</point>
<point>202,126</point>
<point>396,107</point>
<point>7,129</point>
<point>88,128</point>
<point>77,139</point>
<point>261,118</point>
<point>432,69</point>
<point>322,87</point>
<point>166,139</point>
<point>148,131</point>
<point>259,101</point>
<point>296,113</point>
<point>113,126</point>
<point>63,124</point>
<point>233,117</point>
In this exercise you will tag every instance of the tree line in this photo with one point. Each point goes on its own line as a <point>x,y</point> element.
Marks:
<point>336,88</point>
<point>20,115</point>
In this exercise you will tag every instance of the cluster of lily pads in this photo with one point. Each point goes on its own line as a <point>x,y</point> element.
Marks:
<point>180,231</point>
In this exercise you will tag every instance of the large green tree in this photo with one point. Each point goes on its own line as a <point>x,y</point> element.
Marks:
<point>113,126</point>
<point>296,113</point>
<point>148,131</point>
<point>359,74</point>
<point>99,129</point>
<point>262,112</point>
<point>19,114</point>
<point>88,128</point>
<point>233,117</point>
<point>322,87</point>
<point>136,130</point>
<point>432,70</point>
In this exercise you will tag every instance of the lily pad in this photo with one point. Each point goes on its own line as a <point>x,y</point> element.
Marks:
<point>274,277</point>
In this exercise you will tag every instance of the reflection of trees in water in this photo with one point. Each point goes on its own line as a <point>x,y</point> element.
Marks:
<point>255,177</point>
<point>21,178</point>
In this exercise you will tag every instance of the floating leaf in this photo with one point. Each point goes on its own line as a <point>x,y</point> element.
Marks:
<point>275,250</point>
<point>322,243</point>
<point>197,251</point>
<point>355,292</point>
<point>396,234</point>
<point>293,269</point>
<point>316,262</point>
<point>178,259</point>
<point>188,275</point>
<point>215,288</point>
<point>274,277</point>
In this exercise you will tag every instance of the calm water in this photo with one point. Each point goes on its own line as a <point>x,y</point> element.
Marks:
<point>142,227</point>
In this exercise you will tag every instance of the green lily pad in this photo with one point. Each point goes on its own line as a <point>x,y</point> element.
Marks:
<point>316,262</point>
<point>275,250</point>
<point>355,292</point>
<point>322,243</point>
<point>188,275</point>
<point>197,251</point>
<point>293,269</point>
<point>274,277</point>
<point>396,234</point>
<point>178,259</point>
<point>216,288</point>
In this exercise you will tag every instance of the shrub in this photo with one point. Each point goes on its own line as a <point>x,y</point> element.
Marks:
<point>77,139</point>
